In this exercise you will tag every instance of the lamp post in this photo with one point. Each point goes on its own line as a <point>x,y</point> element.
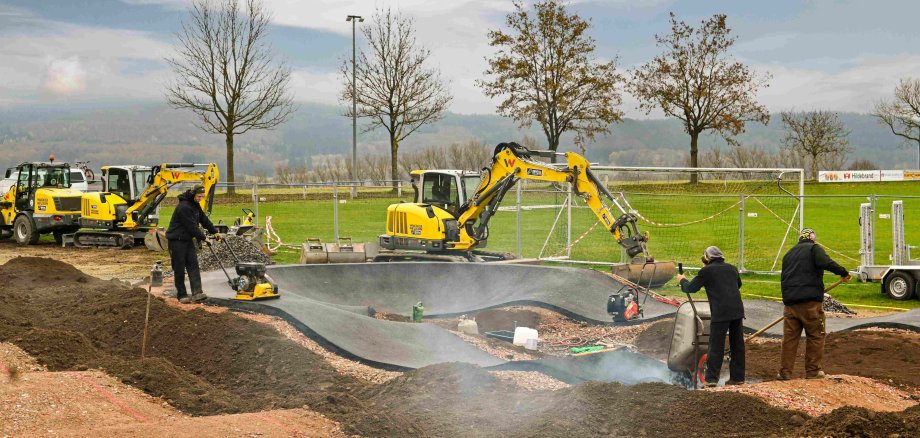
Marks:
<point>354,19</point>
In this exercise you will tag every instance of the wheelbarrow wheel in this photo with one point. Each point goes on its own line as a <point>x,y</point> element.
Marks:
<point>701,369</point>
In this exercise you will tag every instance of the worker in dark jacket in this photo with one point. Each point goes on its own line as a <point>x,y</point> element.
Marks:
<point>182,232</point>
<point>803,295</point>
<point>722,283</point>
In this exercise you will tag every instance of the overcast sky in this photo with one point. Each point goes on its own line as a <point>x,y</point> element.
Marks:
<point>836,55</point>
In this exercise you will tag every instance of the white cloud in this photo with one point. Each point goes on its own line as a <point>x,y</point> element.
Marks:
<point>48,60</point>
<point>313,86</point>
<point>65,76</point>
<point>855,89</point>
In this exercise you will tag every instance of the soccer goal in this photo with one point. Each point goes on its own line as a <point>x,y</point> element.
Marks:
<point>752,214</point>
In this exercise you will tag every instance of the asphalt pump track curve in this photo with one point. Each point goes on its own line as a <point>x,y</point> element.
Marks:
<point>332,303</point>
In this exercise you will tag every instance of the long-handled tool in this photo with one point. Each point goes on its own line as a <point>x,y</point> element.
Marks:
<point>702,362</point>
<point>251,284</point>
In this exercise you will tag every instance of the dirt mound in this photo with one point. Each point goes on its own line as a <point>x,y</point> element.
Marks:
<point>204,363</point>
<point>886,355</point>
<point>463,400</point>
<point>505,319</point>
<point>655,340</point>
<point>860,422</point>
<point>207,363</point>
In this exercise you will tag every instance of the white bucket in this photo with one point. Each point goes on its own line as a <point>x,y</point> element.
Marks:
<point>531,344</point>
<point>522,334</point>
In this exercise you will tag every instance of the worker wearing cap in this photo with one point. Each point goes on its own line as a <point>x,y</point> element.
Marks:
<point>803,295</point>
<point>182,232</point>
<point>723,287</point>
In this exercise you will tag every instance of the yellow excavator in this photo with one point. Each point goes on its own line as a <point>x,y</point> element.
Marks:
<point>40,202</point>
<point>116,218</point>
<point>449,219</point>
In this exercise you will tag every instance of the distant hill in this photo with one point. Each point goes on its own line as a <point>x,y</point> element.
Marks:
<point>152,133</point>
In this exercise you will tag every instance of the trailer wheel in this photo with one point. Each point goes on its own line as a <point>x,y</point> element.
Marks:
<point>25,231</point>
<point>900,286</point>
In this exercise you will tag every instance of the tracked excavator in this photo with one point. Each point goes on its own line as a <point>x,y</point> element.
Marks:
<point>125,212</point>
<point>450,219</point>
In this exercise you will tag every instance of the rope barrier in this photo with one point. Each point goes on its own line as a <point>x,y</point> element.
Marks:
<point>660,225</point>
<point>789,224</point>
<point>270,235</point>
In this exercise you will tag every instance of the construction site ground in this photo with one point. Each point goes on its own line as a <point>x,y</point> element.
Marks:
<point>71,328</point>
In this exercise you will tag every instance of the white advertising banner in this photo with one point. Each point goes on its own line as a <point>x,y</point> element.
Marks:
<point>839,176</point>
<point>892,175</point>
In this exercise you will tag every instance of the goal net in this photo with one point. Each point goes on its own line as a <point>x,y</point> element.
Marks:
<point>753,215</point>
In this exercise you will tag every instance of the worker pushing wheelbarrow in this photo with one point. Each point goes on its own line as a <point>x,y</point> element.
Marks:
<point>700,325</point>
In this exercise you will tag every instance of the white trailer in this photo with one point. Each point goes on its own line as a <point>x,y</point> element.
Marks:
<point>900,279</point>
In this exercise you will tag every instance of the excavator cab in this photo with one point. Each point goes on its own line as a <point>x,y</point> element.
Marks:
<point>127,181</point>
<point>446,189</point>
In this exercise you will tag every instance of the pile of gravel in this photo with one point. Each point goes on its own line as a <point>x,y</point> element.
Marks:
<point>243,248</point>
<point>832,305</point>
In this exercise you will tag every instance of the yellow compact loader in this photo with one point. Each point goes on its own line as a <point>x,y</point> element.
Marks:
<point>40,202</point>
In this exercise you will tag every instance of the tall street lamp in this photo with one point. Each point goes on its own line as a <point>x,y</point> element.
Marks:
<point>354,19</point>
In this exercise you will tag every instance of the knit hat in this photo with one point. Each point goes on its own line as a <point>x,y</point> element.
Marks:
<point>713,252</point>
<point>806,234</point>
<point>197,189</point>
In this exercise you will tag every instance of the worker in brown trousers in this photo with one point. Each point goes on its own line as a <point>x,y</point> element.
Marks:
<point>803,295</point>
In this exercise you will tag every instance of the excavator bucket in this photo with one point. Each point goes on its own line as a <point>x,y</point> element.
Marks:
<point>646,274</point>
<point>155,240</point>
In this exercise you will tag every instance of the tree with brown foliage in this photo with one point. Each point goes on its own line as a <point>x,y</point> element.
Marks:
<point>545,71</point>
<point>394,86</point>
<point>225,72</point>
<point>696,81</point>
<point>902,115</point>
<point>817,136</point>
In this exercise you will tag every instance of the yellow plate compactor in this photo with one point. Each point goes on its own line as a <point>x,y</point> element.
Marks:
<point>251,284</point>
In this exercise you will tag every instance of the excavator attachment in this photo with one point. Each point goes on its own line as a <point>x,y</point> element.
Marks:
<point>155,240</point>
<point>649,274</point>
<point>314,251</point>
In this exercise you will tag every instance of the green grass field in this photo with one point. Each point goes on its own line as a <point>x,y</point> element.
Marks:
<point>832,209</point>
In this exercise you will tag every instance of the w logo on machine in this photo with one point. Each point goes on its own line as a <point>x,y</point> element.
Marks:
<point>175,175</point>
<point>509,162</point>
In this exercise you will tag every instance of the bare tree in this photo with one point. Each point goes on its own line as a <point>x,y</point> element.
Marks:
<point>863,164</point>
<point>395,87</point>
<point>696,81</point>
<point>902,115</point>
<point>545,71</point>
<point>818,136</point>
<point>226,74</point>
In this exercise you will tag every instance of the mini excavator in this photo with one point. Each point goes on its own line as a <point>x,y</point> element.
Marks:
<point>449,220</point>
<point>125,211</point>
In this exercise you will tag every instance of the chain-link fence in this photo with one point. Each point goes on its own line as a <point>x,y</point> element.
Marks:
<point>542,220</point>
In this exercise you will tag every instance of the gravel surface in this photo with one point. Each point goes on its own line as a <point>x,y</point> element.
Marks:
<point>817,397</point>
<point>833,306</point>
<point>244,249</point>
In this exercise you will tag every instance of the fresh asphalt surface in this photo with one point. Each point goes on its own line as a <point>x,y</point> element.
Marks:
<point>331,303</point>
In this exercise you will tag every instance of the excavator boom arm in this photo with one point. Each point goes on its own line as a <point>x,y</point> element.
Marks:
<point>165,176</point>
<point>511,163</point>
